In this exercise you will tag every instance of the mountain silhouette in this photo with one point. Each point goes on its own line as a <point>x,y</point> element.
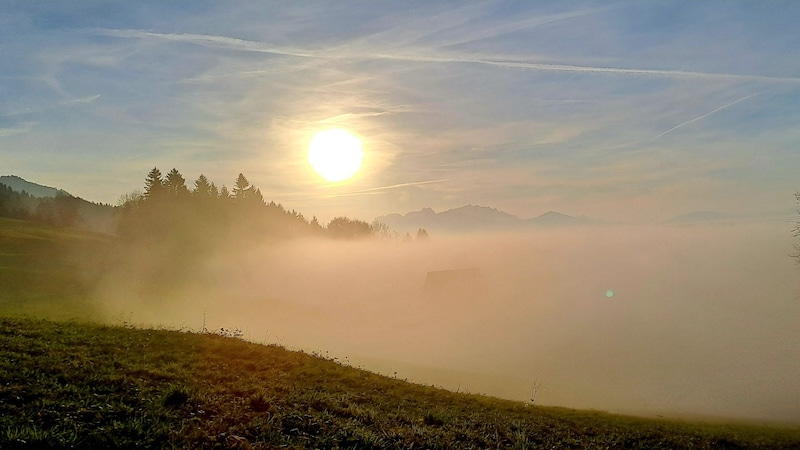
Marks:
<point>557,219</point>
<point>35,190</point>
<point>473,218</point>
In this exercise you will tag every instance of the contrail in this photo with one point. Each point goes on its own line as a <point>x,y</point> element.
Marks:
<point>211,40</point>
<point>590,69</point>
<point>385,188</point>
<point>226,42</point>
<point>704,115</point>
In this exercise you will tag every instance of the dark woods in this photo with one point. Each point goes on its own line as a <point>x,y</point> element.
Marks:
<point>62,210</point>
<point>173,232</point>
<point>170,210</point>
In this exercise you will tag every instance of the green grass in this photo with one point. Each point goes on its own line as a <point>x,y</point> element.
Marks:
<point>47,271</point>
<point>66,384</point>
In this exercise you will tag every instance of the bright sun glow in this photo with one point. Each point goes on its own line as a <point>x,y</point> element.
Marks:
<point>335,154</point>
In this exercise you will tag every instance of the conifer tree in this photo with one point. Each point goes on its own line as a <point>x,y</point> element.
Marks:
<point>175,184</point>
<point>224,194</point>
<point>203,189</point>
<point>153,184</point>
<point>240,190</point>
<point>255,196</point>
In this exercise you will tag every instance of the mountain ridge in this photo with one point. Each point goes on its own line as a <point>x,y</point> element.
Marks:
<point>474,218</point>
<point>19,184</point>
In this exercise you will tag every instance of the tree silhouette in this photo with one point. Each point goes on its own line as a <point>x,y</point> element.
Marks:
<point>175,184</point>
<point>18,205</point>
<point>168,214</point>
<point>62,210</point>
<point>344,228</point>
<point>224,193</point>
<point>240,188</point>
<point>153,184</point>
<point>203,189</point>
<point>255,196</point>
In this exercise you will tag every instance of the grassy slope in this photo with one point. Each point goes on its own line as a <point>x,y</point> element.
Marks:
<point>47,271</point>
<point>90,386</point>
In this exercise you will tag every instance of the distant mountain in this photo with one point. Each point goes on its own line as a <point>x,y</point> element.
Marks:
<point>84,214</point>
<point>472,218</point>
<point>36,190</point>
<point>556,219</point>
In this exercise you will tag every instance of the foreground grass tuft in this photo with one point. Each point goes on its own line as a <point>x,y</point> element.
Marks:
<point>69,385</point>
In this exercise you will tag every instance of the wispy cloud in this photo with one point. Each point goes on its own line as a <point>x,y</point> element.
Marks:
<point>429,55</point>
<point>713,111</point>
<point>21,128</point>
<point>212,41</point>
<point>386,188</point>
<point>520,64</point>
<point>470,34</point>
<point>80,101</point>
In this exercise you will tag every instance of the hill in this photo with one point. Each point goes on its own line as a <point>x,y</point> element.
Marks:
<point>20,198</point>
<point>474,218</point>
<point>90,386</point>
<point>36,190</point>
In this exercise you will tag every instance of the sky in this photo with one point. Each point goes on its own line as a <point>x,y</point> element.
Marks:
<point>624,111</point>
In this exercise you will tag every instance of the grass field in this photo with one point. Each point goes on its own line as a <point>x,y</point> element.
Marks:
<point>66,384</point>
<point>47,271</point>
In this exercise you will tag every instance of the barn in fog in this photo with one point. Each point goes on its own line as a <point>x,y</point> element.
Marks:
<point>461,282</point>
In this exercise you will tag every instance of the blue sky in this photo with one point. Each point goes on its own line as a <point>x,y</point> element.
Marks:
<point>623,111</point>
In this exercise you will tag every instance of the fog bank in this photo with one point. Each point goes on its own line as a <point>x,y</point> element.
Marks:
<point>688,320</point>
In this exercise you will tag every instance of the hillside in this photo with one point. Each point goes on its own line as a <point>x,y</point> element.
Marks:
<point>90,386</point>
<point>22,199</point>
<point>49,271</point>
<point>36,190</point>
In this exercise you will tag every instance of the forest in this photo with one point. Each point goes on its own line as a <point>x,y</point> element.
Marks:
<point>168,209</point>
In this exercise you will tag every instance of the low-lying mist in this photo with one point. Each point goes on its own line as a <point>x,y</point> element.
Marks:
<point>654,320</point>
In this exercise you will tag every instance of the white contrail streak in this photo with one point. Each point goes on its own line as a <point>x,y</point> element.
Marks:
<point>225,42</point>
<point>590,69</point>
<point>704,115</point>
<point>386,188</point>
<point>211,40</point>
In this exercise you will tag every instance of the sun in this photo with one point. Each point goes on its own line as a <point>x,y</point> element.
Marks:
<point>335,154</point>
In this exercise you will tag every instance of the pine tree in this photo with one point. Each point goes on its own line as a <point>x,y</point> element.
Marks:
<point>203,189</point>
<point>175,184</point>
<point>255,196</point>
<point>224,194</point>
<point>240,190</point>
<point>153,184</point>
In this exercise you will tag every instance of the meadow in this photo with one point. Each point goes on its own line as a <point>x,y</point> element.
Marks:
<point>74,385</point>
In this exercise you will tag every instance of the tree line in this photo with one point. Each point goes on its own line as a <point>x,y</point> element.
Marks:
<point>168,208</point>
<point>169,232</point>
<point>62,210</point>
